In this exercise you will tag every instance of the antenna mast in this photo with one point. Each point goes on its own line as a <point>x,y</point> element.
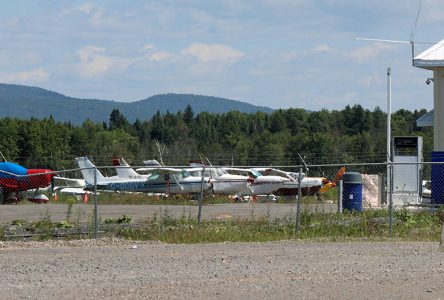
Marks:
<point>412,34</point>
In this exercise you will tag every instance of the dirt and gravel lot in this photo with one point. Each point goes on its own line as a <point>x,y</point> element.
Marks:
<point>83,213</point>
<point>118,269</point>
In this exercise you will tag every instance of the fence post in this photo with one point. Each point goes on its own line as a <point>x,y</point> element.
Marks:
<point>390,194</point>
<point>340,196</point>
<point>199,213</point>
<point>96,218</point>
<point>298,205</point>
<point>441,244</point>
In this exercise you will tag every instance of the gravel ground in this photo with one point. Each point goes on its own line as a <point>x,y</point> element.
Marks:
<point>83,213</point>
<point>118,269</point>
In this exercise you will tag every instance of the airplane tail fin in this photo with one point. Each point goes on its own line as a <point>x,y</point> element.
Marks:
<point>87,169</point>
<point>123,169</point>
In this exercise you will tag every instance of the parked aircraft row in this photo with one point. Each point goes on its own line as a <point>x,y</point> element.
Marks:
<point>17,182</point>
<point>229,181</point>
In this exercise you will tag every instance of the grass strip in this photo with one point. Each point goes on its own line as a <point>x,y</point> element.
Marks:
<point>369,225</point>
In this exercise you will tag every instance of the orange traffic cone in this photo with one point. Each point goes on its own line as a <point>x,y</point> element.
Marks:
<point>85,198</point>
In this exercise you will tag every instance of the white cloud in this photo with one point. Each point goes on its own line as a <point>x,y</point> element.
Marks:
<point>95,14</point>
<point>153,54</point>
<point>85,8</point>
<point>213,53</point>
<point>159,56</point>
<point>93,62</point>
<point>34,76</point>
<point>366,53</point>
<point>148,47</point>
<point>323,48</point>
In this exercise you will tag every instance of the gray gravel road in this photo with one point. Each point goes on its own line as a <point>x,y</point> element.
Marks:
<point>116,269</point>
<point>83,213</point>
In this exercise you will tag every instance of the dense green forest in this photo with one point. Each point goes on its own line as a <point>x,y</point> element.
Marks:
<point>353,134</point>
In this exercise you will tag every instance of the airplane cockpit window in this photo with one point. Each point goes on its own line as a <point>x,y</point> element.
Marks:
<point>153,177</point>
<point>255,173</point>
<point>195,173</point>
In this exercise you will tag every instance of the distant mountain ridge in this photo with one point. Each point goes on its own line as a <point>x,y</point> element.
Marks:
<point>26,102</point>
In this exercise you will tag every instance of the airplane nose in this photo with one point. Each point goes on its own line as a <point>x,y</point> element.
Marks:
<point>40,177</point>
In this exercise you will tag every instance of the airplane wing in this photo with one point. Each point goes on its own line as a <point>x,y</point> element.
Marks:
<point>193,169</point>
<point>160,170</point>
<point>277,172</point>
<point>239,171</point>
<point>70,190</point>
<point>68,182</point>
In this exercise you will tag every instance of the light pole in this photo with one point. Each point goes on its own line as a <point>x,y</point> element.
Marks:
<point>389,157</point>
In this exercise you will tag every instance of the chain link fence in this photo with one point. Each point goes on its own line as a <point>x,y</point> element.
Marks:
<point>96,196</point>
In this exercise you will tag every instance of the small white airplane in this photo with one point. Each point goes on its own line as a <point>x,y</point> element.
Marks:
<point>261,184</point>
<point>159,180</point>
<point>71,186</point>
<point>309,185</point>
<point>223,182</point>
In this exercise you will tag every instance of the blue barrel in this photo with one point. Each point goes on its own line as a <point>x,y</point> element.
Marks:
<point>438,177</point>
<point>352,191</point>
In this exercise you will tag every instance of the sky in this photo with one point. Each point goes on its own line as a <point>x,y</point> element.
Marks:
<point>275,53</point>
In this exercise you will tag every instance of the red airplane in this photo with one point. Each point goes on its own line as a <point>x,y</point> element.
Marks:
<point>15,179</point>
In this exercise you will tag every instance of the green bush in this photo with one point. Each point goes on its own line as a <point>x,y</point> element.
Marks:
<point>120,220</point>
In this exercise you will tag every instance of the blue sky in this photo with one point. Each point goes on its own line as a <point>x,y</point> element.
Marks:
<point>276,53</point>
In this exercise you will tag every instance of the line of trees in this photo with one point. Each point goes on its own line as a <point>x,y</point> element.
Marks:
<point>353,134</point>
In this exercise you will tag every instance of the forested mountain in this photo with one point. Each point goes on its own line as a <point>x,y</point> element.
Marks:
<point>353,134</point>
<point>26,102</point>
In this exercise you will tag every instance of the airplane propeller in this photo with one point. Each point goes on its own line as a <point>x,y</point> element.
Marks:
<point>330,184</point>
